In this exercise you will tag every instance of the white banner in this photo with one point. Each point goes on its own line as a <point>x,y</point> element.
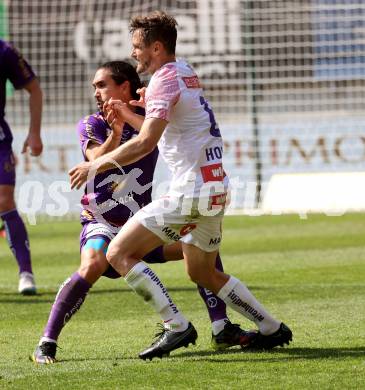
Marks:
<point>301,146</point>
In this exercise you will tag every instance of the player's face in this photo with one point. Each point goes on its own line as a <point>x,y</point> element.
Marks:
<point>142,54</point>
<point>105,88</point>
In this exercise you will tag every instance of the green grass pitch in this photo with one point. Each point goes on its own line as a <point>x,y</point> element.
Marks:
<point>309,273</point>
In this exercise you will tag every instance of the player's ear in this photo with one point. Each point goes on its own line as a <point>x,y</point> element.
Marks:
<point>126,89</point>
<point>158,46</point>
<point>126,85</point>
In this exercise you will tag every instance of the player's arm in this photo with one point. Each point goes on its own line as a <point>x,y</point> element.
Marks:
<point>125,154</point>
<point>135,120</point>
<point>94,150</point>
<point>21,75</point>
<point>33,140</point>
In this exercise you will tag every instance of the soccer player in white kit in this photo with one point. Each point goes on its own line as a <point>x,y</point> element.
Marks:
<point>180,121</point>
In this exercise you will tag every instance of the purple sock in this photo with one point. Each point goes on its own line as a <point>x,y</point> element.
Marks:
<point>155,256</point>
<point>216,307</point>
<point>17,238</point>
<point>69,299</point>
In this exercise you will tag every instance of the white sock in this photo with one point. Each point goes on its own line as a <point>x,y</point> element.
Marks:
<point>46,340</point>
<point>237,296</point>
<point>218,326</point>
<point>147,284</point>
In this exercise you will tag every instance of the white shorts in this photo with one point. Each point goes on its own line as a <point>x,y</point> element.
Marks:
<point>171,220</point>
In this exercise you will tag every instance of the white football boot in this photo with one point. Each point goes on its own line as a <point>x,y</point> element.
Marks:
<point>27,284</point>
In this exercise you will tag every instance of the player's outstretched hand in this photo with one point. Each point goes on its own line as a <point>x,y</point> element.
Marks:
<point>141,102</point>
<point>78,174</point>
<point>34,143</point>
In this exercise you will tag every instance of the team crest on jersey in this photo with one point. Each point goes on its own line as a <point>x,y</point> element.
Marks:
<point>191,82</point>
<point>186,229</point>
<point>86,214</point>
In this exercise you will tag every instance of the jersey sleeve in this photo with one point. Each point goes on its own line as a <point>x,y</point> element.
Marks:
<point>90,129</point>
<point>162,93</point>
<point>18,70</point>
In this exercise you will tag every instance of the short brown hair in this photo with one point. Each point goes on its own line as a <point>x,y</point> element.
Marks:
<point>157,26</point>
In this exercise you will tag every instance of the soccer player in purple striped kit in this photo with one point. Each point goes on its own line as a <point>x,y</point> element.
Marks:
<point>15,68</point>
<point>113,198</point>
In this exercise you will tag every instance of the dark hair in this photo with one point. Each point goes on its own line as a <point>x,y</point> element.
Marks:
<point>122,71</point>
<point>157,26</point>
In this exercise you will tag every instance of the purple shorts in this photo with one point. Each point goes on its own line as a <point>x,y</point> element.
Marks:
<point>95,230</point>
<point>7,167</point>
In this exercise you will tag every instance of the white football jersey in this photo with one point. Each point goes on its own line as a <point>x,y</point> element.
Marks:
<point>191,144</point>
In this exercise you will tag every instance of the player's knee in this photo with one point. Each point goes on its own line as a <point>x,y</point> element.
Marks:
<point>91,275</point>
<point>113,255</point>
<point>118,260</point>
<point>201,277</point>
<point>195,276</point>
<point>92,266</point>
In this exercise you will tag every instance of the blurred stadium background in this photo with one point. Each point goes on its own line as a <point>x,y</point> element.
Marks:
<point>286,80</point>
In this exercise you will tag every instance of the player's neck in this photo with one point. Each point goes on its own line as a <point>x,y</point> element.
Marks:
<point>165,60</point>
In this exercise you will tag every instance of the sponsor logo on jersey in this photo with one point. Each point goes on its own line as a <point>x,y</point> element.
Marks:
<point>215,241</point>
<point>191,82</point>
<point>213,172</point>
<point>169,233</point>
<point>218,200</point>
<point>187,229</point>
<point>157,105</point>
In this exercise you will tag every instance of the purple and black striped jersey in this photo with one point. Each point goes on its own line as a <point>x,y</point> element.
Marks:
<point>13,67</point>
<point>114,196</point>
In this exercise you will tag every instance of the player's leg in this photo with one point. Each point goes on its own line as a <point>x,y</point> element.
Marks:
<point>199,255</point>
<point>73,291</point>
<point>124,254</point>
<point>215,306</point>
<point>224,333</point>
<point>217,309</point>
<point>16,233</point>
